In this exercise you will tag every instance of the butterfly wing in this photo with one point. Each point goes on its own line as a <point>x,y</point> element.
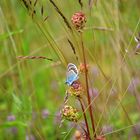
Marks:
<point>72,73</point>
<point>71,77</point>
<point>72,67</point>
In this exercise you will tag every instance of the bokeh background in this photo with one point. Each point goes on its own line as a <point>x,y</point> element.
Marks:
<point>32,91</point>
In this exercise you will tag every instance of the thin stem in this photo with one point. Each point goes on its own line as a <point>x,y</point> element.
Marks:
<point>127,116</point>
<point>87,88</point>
<point>85,118</point>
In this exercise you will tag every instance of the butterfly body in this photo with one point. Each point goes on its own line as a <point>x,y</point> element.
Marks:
<point>72,74</point>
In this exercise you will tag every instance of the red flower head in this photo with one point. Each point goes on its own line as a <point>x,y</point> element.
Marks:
<point>79,20</point>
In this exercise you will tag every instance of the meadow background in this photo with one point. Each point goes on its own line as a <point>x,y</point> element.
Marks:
<point>32,91</point>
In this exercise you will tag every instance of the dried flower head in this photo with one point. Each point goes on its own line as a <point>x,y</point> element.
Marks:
<point>100,138</point>
<point>83,68</point>
<point>78,135</point>
<point>76,89</point>
<point>70,113</point>
<point>79,20</point>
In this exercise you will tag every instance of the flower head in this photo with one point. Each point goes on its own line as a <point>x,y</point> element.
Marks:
<point>79,135</point>
<point>11,118</point>
<point>83,68</point>
<point>134,84</point>
<point>70,113</point>
<point>57,119</point>
<point>76,89</point>
<point>79,20</point>
<point>30,137</point>
<point>107,129</point>
<point>45,113</point>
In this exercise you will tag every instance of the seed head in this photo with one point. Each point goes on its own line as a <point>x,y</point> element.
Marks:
<point>78,135</point>
<point>83,68</point>
<point>76,89</point>
<point>70,113</point>
<point>79,20</point>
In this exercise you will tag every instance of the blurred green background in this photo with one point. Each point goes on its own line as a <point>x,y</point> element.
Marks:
<point>32,91</point>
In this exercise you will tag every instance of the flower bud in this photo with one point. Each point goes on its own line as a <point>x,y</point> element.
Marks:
<point>83,68</point>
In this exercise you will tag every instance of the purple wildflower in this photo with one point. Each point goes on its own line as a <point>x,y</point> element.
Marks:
<point>58,118</point>
<point>138,46</point>
<point>30,137</point>
<point>133,85</point>
<point>95,71</point>
<point>107,129</point>
<point>134,131</point>
<point>13,130</point>
<point>137,49</point>
<point>93,92</point>
<point>11,118</point>
<point>45,113</point>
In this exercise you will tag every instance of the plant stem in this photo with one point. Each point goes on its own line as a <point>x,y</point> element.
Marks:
<point>86,122</point>
<point>87,88</point>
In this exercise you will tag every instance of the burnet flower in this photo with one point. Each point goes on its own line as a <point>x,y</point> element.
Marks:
<point>70,113</point>
<point>79,20</point>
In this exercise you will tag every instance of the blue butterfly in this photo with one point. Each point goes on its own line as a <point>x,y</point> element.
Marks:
<point>72,74</point>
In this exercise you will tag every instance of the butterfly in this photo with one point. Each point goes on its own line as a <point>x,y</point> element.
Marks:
<point>72,74</point>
